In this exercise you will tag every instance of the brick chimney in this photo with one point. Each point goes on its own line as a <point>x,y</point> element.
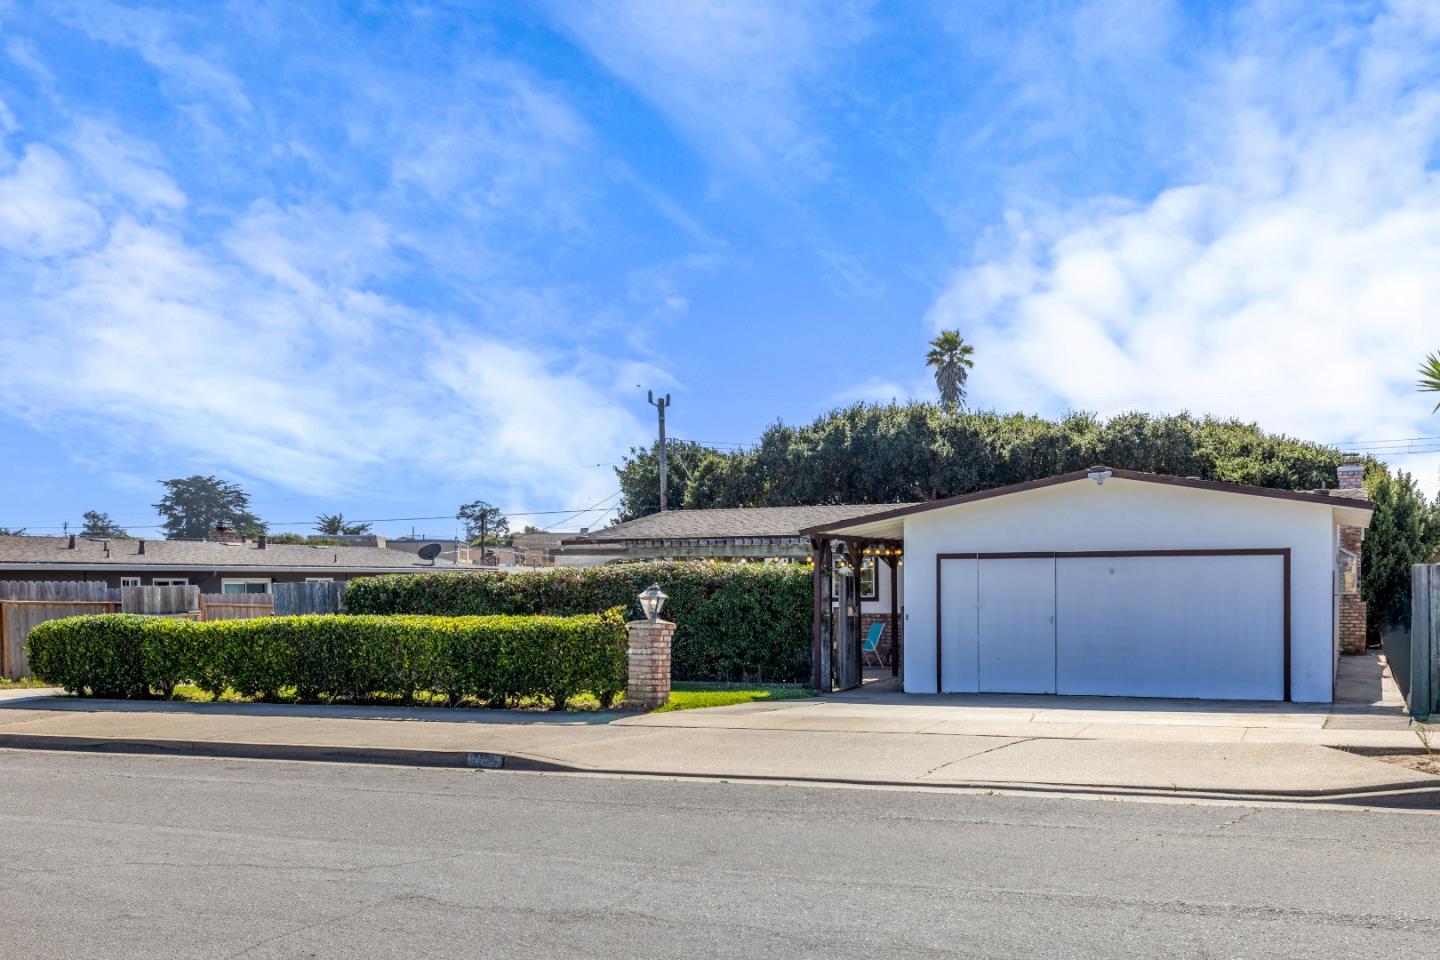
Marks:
<point>223,533</point>
<point>1350,474</point>
<point>1350,608</point>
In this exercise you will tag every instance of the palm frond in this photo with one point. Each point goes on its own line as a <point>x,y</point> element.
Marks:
<point>1430,377</point>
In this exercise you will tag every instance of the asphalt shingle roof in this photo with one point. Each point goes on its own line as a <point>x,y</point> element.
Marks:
<point>731,523</point>
<point>91,552</point>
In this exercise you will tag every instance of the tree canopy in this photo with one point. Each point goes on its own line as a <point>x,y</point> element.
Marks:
<point>335,525</point>
<point>485,525</point>
<point>951,357</point>
<point>192,506</point>
<point>895,453</point>
<point>99,524</point>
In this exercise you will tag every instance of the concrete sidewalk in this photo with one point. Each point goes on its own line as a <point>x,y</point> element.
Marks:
<point>1197,752</point>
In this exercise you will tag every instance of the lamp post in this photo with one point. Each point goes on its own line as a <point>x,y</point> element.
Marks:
<point>648,667</point>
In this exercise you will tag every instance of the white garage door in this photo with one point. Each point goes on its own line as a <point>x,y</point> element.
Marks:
<point>1208,626</point>
<point>1195,626</point>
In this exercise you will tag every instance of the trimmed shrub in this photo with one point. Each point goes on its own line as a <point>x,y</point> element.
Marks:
<point>496,659</point>
<point>733,621</point>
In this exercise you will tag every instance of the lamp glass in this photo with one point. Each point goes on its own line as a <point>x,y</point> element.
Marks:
<point>652,599</point>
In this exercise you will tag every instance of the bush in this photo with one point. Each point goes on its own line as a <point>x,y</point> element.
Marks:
<point>734,621</point>
<point>496,659</point>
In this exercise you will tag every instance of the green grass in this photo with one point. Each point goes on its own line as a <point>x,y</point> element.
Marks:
<point>693,696</point>
<point>23,682</point>
<point>187,693</point>
<point>683,696</point>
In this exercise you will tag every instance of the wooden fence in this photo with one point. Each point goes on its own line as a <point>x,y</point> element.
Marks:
<point>293,599</point>
<point>1423,693</point>
<point>25,603</point>
<point>19,617</point>
<point>236,606</point>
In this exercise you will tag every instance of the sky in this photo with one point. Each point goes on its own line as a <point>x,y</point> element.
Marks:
<point>386,258</point>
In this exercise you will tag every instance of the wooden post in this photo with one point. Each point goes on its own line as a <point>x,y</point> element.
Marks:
<point>894,561</point>
<point>820,666</point>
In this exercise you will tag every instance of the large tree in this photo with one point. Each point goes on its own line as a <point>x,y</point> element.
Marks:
<point>99,524</point>
<point>485,525</point>
<point>951,357</point>
<point>1405,531</point>
<point>193,506</point>
<point>334,525</point>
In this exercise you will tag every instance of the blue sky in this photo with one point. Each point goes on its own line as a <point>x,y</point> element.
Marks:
<point>385,258</point>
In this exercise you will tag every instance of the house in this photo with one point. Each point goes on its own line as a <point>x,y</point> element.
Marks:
<point>756,534</point>
<point>224,563</point>
<point>1115,583</point>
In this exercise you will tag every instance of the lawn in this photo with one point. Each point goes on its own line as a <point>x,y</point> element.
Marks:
<point>22,683</point>
<point>691,696</point>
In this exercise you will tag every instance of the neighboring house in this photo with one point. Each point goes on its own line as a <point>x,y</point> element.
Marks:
<point>455,551</point>
<point>539,549</point>
<point>745,533</point>
<point>1112,582</point>
<point>225,563</point>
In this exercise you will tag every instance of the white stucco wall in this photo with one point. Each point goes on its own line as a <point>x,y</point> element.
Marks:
<point>1131,515</point>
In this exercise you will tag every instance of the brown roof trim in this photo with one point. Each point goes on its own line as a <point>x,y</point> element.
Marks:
<point>1215,486</point>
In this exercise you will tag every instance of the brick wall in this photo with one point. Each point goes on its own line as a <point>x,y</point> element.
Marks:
<point>1352,623</point>
<point>887,639</point>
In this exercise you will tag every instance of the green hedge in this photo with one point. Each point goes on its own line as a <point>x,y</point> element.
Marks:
<point>734,621</point>
<point>497,659</point>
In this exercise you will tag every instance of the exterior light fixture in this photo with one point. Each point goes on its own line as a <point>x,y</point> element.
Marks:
<point>1099,474</point>
<point>652,598</point>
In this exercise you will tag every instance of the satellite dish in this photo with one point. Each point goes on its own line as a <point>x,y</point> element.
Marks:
<point>430,551</point>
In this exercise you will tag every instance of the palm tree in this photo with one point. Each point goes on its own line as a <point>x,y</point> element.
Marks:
<point>1430,376</point>
<point>950,356</point>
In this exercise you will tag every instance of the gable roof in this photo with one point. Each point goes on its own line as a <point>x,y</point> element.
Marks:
<point>90,553</point>
<point>729,523</point>
<point>1352,499</point>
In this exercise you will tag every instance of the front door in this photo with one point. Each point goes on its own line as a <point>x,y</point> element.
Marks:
<point>1017,625</point>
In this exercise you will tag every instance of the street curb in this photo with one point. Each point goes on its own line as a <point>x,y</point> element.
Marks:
<point>232,750</point>
<point>1402,793</point>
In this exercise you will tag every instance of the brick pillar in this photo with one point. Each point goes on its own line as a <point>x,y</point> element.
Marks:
<point>648,684</point>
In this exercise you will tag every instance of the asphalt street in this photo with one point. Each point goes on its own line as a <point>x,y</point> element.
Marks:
<point>121,857</point>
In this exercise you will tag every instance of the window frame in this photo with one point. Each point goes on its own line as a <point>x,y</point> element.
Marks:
<point>246,581</point>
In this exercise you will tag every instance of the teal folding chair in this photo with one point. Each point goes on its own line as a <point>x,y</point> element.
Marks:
<point>871,646</point>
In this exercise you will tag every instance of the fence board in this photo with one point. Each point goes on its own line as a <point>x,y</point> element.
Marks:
<point>57,590</point>
<point>236,606</point>
<point>1424,640</point>
<point>294,599</point>
<point>19,617</point>
<point>160,600</point>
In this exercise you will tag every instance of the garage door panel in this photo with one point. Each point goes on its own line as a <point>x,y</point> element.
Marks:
<point>1185,626</point>
<point>1016,625</point>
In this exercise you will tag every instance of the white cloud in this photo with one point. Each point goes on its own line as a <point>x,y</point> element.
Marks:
<point>134,171</point>
<point>1290,279</point>
<point>41,213</point>
<point>728,76</point>
<point>273,351</point>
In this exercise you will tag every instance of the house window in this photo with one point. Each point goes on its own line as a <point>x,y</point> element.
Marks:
<point>242,585</point>
<point>869,585</point>
<point>129,581</point>
<point>869,582</point>
<point>1347,572</point>
<point>170,582</point>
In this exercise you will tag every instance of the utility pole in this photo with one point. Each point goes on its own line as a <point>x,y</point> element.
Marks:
<point>660,405</point>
